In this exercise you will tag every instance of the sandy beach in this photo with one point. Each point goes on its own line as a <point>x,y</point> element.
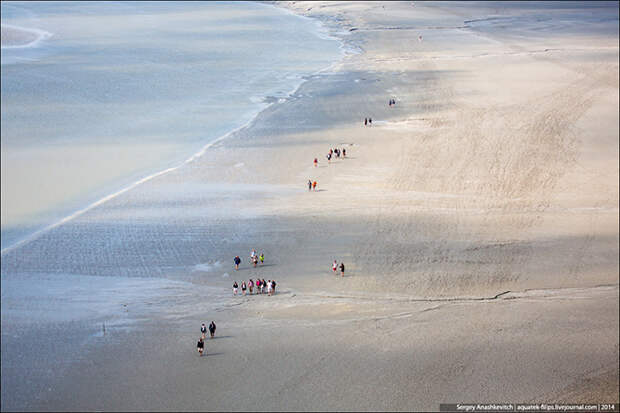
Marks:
<point>477,218</point>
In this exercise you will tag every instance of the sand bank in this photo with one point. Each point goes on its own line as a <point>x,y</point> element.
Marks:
<point>13,37</point>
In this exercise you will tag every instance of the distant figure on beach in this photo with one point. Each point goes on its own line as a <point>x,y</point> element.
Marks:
<point>342,268</point>
<point>263,285</point>
<point>255,260</point>
<point>235,288</point>
<point>316,162</point>
<point>251,286</point>
<point>243,287</point>
<point>269,287</point>
<point>365,121</point>
<point>335,266</point>
<point>329,157</point>
<point>261,257</point>
<point>420,38</point>
<point>344,153</point>
<point>237,262</point>
<point>309,185</point>
<point>212,329</point>
<point>369,121</point>
<point>253,253</point>
<point>314,186</point>
<point>200,346</point>
<point>273,286</point>
<point>203,330</point>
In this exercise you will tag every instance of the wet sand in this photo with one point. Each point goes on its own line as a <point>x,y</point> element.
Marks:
<point>477,218</point>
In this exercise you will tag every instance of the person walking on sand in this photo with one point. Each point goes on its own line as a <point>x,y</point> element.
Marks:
<point>261,257</point>
<point>251,286</point>
<point>203,330</point>
<point>344,153</point>
<point>243,287</point>
<point>237,262</point>
<point>263,285</point>
<point>309,185</point>
<point>258,285</point>
<point>369,121</point>
<point>273,287</point>
<point>269,288</point>
<point>200,346</point>
<point>314,185</point>
<point>212,329</point>
<point>335,266</point>
<point>365,121</point>
<point>235,288</point>
<point>342,268</point>
<point>316,162</point>
<point>255,260</point>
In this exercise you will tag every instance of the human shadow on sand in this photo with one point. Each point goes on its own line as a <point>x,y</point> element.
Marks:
<point>264,265</point>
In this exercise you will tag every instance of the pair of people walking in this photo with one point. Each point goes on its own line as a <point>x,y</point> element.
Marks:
<point>311,185</point>
<point>255,258</point>
<point>367,121</point>
<point>201,341</point>
<point>335,267</point>
<point>203,329</point>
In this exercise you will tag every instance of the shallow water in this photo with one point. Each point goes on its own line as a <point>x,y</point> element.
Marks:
<point>116,91</point>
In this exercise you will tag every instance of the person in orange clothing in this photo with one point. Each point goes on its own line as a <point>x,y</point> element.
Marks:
<point>314,185</point>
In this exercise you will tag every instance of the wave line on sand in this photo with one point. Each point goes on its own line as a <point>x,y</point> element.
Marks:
<point>103,200</point>
<point>40,36</point>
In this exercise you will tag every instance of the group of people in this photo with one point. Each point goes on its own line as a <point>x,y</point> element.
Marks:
<point>392,102</point>
<point>203,335</point>
<point>262,287</point>
<point>367,121</point>
<point>336,152</point>
<point>335,267</point>
<point>254,259</point>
